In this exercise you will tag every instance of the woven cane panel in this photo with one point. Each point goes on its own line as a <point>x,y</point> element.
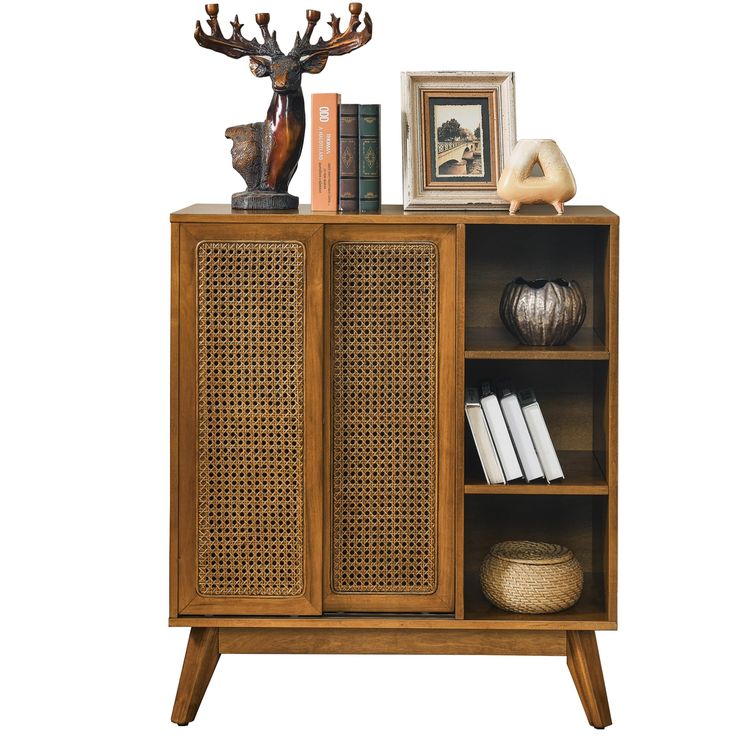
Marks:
<point>250,532</point>
<point>384,385</point>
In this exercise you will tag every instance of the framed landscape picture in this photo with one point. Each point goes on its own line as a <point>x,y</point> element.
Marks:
<point>458,128</point>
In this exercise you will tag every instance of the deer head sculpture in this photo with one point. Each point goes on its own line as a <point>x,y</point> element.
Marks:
<point>266,154</point>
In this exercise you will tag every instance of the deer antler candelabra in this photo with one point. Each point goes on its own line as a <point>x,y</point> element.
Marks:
<point>266,154</point>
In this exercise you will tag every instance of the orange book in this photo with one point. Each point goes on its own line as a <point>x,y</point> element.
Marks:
<point>325,145</point>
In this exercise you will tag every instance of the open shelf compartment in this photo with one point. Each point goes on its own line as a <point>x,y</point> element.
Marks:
<point>497,254</point>
<point>576,522</point>
<point>573,398</point>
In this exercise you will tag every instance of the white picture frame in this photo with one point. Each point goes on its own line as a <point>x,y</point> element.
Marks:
<point>423,187</point>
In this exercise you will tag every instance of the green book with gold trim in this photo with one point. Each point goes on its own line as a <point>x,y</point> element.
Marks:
<point>369,157</point>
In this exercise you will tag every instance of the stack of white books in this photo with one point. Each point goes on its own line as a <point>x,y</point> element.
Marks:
<point>511,435</point>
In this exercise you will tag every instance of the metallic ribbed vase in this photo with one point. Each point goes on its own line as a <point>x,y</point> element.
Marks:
<point>543,312</point>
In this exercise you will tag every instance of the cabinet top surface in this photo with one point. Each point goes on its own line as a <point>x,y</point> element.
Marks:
<point>395,214</point>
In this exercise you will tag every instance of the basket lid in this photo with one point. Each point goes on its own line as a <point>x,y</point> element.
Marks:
<point>532,553</point>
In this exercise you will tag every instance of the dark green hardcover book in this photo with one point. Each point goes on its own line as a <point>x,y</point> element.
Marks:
<point>369,167</point>
<point>348,164</point>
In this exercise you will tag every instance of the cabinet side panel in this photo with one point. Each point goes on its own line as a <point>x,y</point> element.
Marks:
<point>459,424</point>
<point>250,418</point>
<point>384,417</point>
<point>612,469</point>
<point>174,428</point>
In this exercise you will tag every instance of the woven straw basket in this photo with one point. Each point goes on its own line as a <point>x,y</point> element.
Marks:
<point>531,577</point>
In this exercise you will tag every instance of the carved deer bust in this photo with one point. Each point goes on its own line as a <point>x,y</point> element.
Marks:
<point>266,154</point>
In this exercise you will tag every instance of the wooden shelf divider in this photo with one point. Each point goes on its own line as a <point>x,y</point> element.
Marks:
<point>583,477</point>
<point>496,343</point>
<point>536,489</point>
<point>589,611</point>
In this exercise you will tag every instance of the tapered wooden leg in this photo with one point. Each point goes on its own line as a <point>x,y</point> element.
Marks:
<point>585,667</point>
<point>200,661</point>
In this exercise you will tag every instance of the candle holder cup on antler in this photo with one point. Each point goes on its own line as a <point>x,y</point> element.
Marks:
<point>266,154</point>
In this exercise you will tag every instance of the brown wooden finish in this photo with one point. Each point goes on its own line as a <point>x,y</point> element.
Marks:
<point>459,453</point>
<point>610,541</point>
<point>584,664</point>
<point>583,477</point>
<point>588,613</point>
<point>576,522</point>
<point>389,641</point>
<point>174,428</point>
<point>568,392</point>
<point>536,489</point>
<point>394,214</point>
<point>441,596</point>
<point>577,386</point>
<point>589,617</point>
<point>497,343</point>
<point>496,255</point>
<point>571,521</point>
<point>191,599</point>
<point>200,661</point>
<point>605,404</point>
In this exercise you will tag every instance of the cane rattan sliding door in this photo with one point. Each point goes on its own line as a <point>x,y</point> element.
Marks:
<point>389,506</point>
<point>249,413</point>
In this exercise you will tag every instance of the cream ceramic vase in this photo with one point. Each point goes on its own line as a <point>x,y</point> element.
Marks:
<point>518,186</point>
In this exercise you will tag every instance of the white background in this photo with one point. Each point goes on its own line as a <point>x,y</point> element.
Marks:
<point>113,117</point>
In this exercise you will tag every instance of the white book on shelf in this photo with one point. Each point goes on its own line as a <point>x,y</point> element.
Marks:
<point>540,435</point>
<point>500,434</point>
<point>520,435</point>
<point>482,437</point>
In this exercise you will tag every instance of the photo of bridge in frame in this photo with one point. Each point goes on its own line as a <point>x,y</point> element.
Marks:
<point>459,143</point>
<point>459,135</point>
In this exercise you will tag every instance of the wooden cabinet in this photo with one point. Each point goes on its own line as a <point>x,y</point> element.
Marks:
<point>324,497</point>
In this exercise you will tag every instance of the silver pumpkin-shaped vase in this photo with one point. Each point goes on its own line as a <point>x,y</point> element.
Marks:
<point>543,312</point>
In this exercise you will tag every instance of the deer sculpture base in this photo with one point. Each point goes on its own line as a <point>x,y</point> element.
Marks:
<point>255,200</point>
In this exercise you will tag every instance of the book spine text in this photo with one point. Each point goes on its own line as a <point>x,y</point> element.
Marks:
<point>324,152</point>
